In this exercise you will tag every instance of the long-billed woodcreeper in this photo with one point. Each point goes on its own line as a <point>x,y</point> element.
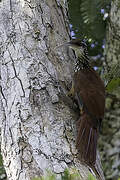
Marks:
<point>89,91</point>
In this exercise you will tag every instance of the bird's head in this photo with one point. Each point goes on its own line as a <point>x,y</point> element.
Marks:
<point>78,46</point>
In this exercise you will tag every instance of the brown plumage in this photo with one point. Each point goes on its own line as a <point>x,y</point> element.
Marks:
<point>88,89</point>
<point>90,95</point>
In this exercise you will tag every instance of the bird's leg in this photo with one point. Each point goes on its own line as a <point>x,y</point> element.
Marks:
<point>71,93</point>
<point>80,103</point>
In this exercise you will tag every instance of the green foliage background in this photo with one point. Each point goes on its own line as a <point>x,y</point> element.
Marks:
<point>88,22</point>
<point>68,174</point>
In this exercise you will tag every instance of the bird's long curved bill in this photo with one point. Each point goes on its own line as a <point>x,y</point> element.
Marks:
<point>62,45</point>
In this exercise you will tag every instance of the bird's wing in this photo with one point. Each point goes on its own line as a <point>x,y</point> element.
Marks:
<point>93,103</point>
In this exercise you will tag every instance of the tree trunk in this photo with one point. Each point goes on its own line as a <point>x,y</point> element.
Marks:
<point>111,132</point>
<point>113,34</point>
<point>37,119</point>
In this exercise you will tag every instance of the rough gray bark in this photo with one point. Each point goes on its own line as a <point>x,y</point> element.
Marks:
<point>113,34</point>
<point>37,122</point>
<point>110,141</point>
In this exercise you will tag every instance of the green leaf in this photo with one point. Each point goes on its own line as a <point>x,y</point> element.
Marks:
<point>49,176</point>
<point>71,174</point>
<point>68,174</point>
<point>91,177</point>
<point>113,85</point>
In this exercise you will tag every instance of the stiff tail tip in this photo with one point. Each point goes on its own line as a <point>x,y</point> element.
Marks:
<point>87,140</point>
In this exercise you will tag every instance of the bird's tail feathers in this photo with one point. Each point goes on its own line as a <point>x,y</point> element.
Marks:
<point>87,140</point>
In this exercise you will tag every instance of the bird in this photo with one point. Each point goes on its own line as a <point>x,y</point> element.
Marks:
<point>89,91</point>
